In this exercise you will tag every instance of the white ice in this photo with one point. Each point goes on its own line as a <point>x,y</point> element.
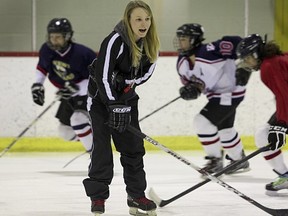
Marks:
<point>36,184</point>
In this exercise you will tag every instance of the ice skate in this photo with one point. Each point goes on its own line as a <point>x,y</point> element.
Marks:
<point>280,183</point>
<point>141,206</point>
<point>213,165</point>
<point>243,167</point>
<point>97,207</point>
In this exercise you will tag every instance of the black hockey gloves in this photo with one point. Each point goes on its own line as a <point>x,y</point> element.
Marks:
<point>277,136</point>
<point>68,91</point>
<point>38,93</point>
<point>119,117</point>
<point>242,76</point>
<point>189,92</point>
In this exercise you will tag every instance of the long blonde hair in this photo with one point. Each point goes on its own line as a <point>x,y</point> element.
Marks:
<point>151,42</point>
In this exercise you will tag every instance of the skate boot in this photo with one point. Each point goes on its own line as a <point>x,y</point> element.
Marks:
<point>243,167</point>
<point>280,183</point>
<point>213,165</point>
<point>141,206</point>
<point>97,207</point>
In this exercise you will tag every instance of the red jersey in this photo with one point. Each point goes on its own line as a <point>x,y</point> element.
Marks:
<point>274,74</point>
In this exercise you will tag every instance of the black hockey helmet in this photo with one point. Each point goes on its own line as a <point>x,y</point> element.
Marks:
<point>196,34</point>
<point>251,45</point>
<point>60,25</point>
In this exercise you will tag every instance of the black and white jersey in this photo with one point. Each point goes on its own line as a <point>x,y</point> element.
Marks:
<point>215,68</point>
<point>115,56</point>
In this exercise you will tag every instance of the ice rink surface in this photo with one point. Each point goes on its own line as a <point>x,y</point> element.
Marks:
<point>36,184</point>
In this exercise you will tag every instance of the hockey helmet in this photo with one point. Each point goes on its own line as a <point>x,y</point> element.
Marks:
<point>60,25</point>
<point>251,45</point>
<point>195,32</point>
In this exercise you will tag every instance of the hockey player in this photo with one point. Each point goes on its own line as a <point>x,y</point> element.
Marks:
<point>210,69</point>
<point>65,63</point>
<point>273,65</point>
<point>126,59</point>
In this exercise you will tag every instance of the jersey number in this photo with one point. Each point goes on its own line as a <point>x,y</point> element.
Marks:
<point>226,48</point>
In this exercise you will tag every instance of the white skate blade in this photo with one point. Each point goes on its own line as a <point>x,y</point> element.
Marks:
<point>139,212</point>
<point>97,213</point>
<point>279,193</point>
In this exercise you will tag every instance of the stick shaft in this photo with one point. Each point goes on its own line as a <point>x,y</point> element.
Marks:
<point>28,127</point>
<point>159,109</point>
<point>227,168</point>
<point>69,162</point>
<point>211,177</point>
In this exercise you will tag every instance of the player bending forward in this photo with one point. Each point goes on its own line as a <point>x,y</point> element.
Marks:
<point>210,69</point>
<point>273,65</point>
<point>66,65</point>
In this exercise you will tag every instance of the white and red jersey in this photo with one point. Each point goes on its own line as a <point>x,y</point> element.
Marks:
<point>215,68</point>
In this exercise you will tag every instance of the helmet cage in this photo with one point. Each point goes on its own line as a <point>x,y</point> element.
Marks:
<point>178,47</point>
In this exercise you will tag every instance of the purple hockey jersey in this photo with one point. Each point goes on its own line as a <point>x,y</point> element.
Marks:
<point>72,65</point>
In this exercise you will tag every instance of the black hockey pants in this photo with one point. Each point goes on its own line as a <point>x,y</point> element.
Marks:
<point>131,150</point>
<point>221,116</point>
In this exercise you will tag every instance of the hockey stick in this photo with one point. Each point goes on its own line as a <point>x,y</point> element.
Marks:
<point>161,203</point>
<point>159,109</point>
<point>275,212</point>
<point>74,159</point>
<point>28,127</point>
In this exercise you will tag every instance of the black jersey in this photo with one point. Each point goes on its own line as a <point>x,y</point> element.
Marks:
<point>115,56</point>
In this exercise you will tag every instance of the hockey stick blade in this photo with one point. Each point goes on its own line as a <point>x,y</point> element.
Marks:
<point>73,159</point>
<point>275,212</point>
<point>159,202</point>
<point>278,212</point>
<point>163,203</point>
